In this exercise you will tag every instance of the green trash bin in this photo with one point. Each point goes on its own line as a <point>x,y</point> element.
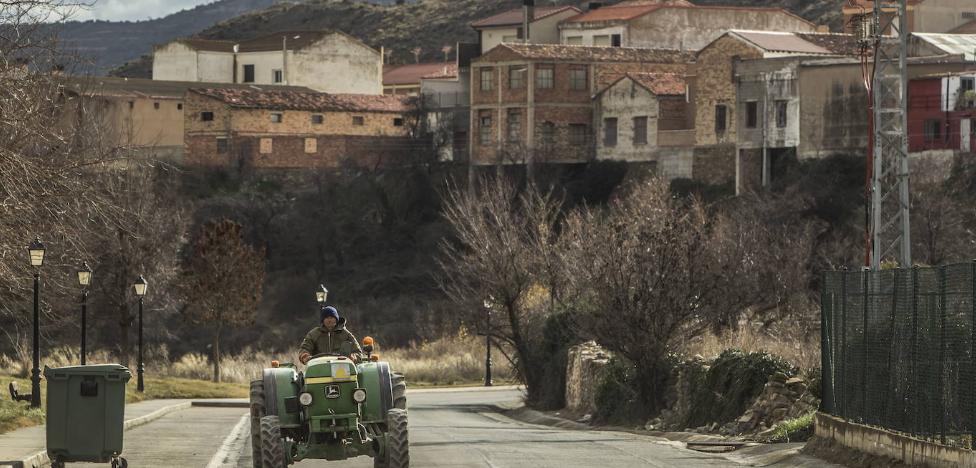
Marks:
<point>86,413</point>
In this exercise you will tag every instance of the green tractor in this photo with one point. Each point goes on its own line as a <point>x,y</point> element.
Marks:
<point>339,408</point>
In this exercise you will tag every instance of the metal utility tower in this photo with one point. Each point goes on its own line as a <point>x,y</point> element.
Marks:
<point>890,225</point>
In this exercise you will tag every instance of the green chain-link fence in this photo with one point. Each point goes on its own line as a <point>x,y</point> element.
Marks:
<point>898,350</point>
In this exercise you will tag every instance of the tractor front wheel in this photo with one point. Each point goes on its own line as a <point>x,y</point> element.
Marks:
<point>272,445</point>
<point>398,447</point>
<point>257,412</point>
<point>399,391</point>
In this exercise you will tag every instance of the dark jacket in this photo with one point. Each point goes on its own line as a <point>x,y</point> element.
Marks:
<point>319,340</point>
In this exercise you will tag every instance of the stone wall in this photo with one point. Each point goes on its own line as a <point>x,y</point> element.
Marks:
<point>584,373</point>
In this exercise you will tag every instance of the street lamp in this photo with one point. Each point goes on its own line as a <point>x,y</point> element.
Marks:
<point>140,288</point>
<point>84,279</point>
<point>36,251</point>
<point>321,294</point>
<point>487,304</point>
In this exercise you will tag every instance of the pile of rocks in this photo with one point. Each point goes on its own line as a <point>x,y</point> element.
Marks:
<point>782,398</point>
<point>584,373</point>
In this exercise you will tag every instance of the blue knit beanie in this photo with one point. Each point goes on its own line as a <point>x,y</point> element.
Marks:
<point>328,311</point>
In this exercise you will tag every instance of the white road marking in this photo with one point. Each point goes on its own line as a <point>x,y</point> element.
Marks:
<point>230,450</point>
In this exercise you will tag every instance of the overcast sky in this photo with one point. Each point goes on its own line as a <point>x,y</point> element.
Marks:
<point>117,10</point>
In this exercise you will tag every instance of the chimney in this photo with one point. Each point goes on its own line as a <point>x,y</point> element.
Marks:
<point>528,10</point>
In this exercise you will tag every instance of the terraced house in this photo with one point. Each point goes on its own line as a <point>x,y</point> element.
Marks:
<point>235,128</point>
<point>534,102</point>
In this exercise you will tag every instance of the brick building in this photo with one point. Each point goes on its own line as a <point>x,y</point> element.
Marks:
<point>671,24</point>
<point>644,117</point>
<point>532,102</point>
<point>292,129</point>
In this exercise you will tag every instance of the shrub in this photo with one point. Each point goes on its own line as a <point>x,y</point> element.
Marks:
<point>732,383</point>
<point>617,397</point>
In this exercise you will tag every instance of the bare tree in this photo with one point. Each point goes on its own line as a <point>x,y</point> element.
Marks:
<point>224,277</point>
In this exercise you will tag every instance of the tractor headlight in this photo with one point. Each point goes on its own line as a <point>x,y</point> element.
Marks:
<point>305,399</point>
<point>359,395</point>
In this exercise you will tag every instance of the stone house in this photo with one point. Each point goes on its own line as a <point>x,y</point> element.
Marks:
<point>533,102</point>
<point>674,24</point>
<point>506,27</point>
<point>326,61</point>
<point>143,117</point>
<point>714,91</point>
<point>240,128</point>
<point>644,117</point>
<point>931,16</point>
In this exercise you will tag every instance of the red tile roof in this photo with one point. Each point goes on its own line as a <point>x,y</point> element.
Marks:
<point>968,28</point>
<point>514,17</point>
<point>574,53</point>
<point>448,71</point>
<point>307,101</point>
<point>412,73</point>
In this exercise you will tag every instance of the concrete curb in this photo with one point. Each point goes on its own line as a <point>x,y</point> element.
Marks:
<point>40,459</point>
<point>221,404</point>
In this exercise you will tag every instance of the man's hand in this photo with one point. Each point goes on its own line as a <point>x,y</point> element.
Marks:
<point>304,357</point>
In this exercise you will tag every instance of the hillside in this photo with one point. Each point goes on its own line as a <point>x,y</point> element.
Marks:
<point>104,45</point>
<point>428,24</point>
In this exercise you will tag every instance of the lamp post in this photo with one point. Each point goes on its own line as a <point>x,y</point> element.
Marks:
<point>140,289</point>
<point>488,382</point>
<point>36,250</point>
<point>321,294</point>
<point>84,279</point>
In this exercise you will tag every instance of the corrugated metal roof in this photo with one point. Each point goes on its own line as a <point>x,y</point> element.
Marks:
<point>307,101</point>
<point>574,53</point>
<point>952,44</point>
<point>774,41</point>
<point>514,17</point>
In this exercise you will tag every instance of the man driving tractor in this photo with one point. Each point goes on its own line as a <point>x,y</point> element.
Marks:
<point>328,337</point>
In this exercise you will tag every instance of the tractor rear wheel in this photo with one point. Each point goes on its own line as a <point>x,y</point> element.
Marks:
<point>398,447</point>
<point>399,391</point>
<point>257,412</point>
<point>272,445</point>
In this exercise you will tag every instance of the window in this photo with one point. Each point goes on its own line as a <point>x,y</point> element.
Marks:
<point>267,146</point>
<point>516,77</point>
<point>721,118</point>
<point>969,15</point>
<point>577,134</point>
<point>277,76</point>
<point>640,130</point>
<point>156,105</point>
<point>311,145</point>
<point>249,73</point>
<point>577,79</point>
<point>933,129</point>
<point>132,105</point>
<point>544,78</point>
<point>398,121</point>
<point>277,117</point>
<point>514,125</point>
<point>967,83</point>
<point>615,40</point>
<point>484,127</point>
<point>206,116</point>
<point>610,131</point>
<point>318,119</point>
<point>601,40</point>
<point>574,40</point>
<point>358,120</point>
<point>781,108</point>
<point>752,114</point>
<point>221,145</point>
<point>487,79</point>
<point>548,135</point>
<point>179,107</point>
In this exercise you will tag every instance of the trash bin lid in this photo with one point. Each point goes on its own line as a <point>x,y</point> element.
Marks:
<point>99,369</point>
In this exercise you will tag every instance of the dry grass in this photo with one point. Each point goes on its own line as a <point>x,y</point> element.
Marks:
<point>795,344</point>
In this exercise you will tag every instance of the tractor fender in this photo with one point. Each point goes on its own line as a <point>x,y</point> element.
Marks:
<point>281,384</point>
<point>377,379</point>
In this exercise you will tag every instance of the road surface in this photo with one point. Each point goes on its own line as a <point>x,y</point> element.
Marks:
<point>447,429</point>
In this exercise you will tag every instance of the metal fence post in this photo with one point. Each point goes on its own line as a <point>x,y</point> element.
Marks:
<point>843,345</point>
<point>972,354</point>
<point>942,353</point>
<point>913,399</point>
<point>864,334</point>
<point>826,367</point>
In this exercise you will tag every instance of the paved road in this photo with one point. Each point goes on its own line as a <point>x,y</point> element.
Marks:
<point>447,429</point>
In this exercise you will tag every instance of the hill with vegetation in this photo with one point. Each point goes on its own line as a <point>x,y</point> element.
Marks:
<point>425,24</point>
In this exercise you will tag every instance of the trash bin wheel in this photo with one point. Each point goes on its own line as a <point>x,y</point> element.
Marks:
<point>57,463</point>
<point>120,463</point>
